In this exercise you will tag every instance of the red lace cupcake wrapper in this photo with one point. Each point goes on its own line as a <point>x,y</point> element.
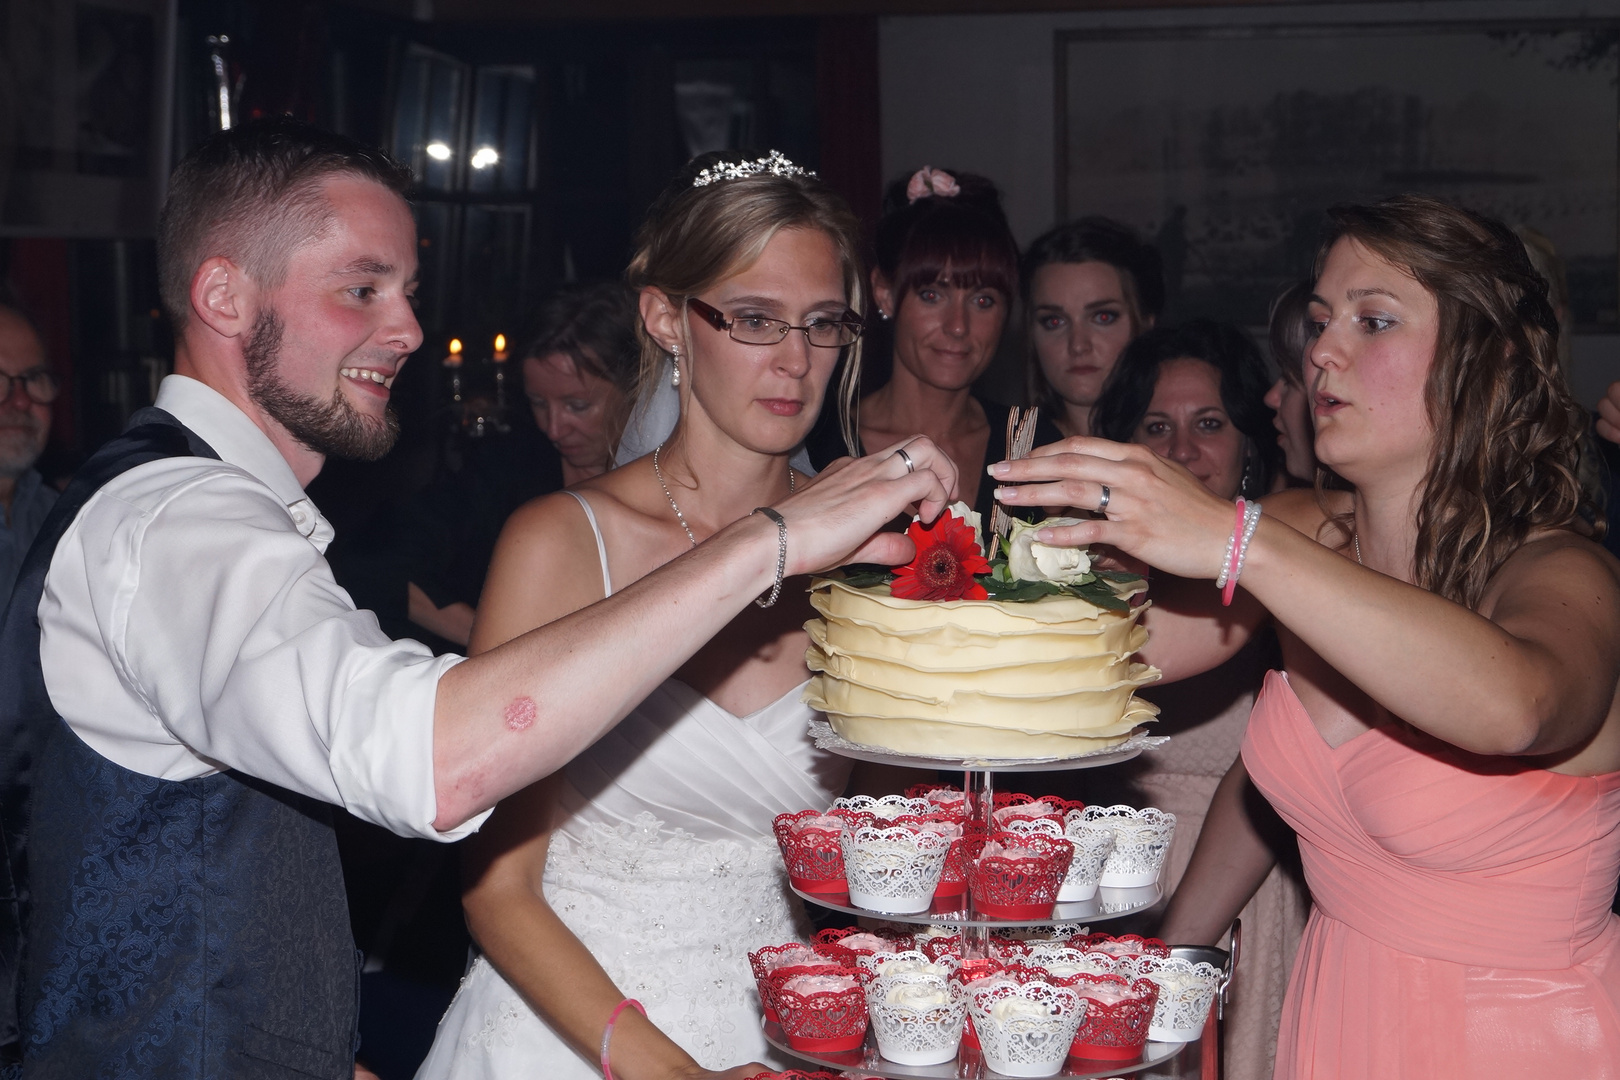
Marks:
<point>828,1022</point>
<point>1113,1031</point>
<point>1023,888</point>
<point>814,857</point>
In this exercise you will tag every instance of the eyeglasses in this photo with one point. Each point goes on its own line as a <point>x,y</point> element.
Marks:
<point>758,330</point>
<point>39,384</point>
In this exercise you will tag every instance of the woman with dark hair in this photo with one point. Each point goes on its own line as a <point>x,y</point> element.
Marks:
<point>946,274</point>
<point>1289,397</point>
<point>1193,395</point>
<point>1090,286</point>
<point>1215,367</point>
<point>579,373</point>
<point>1445,734</point>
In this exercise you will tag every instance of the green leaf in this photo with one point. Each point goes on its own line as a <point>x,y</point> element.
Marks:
<point>864,576</point>
<point>1099,593</point>
<point>1118,577</point>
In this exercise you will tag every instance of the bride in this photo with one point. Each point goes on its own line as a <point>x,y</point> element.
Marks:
<point>645,868</point>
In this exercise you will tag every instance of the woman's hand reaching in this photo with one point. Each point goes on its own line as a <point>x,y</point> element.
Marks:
<point>1156,510</point>
<point>838,517</point>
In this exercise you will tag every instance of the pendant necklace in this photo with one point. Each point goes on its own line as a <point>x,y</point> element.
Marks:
<point>680,517</point>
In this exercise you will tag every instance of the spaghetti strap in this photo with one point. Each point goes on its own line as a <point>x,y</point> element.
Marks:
<point>601,548</point>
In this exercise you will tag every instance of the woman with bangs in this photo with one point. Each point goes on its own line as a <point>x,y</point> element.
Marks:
<point>946,274</point>
<point>645,868</point>
<point>1444,736</point>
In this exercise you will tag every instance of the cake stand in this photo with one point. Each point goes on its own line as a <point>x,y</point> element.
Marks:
<point>979,789</point>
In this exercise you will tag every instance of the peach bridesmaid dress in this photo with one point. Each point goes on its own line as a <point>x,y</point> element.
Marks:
<point>1462,926</point>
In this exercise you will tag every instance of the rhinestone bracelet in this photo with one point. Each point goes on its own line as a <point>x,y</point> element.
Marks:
<point>781,554</point>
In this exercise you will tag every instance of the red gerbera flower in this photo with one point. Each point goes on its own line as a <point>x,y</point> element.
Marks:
<point>947,558</point>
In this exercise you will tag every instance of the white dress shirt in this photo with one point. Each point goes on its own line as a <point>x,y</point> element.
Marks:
<point>190,623</point>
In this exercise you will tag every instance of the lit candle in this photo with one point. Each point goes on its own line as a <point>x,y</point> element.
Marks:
<point>500,348</point>
<point>454,359</point>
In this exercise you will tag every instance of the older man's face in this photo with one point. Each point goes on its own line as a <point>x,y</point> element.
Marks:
<point>24,422</point>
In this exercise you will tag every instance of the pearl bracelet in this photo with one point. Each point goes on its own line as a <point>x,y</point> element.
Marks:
<point>1251,521</point>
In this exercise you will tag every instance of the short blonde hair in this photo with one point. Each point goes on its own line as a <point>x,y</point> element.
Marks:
<point>694,237</point>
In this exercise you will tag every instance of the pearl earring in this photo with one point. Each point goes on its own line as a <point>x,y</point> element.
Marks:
<point>675,370</point>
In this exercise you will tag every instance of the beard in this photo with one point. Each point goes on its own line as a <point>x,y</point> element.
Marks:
<point>22,440</point>
<point>333,427</point>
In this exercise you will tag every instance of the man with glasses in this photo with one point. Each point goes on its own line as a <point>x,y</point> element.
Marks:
<point>27,389</point>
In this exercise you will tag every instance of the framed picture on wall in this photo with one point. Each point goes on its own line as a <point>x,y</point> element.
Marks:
<point>1226,145</point>
<point>85,94</point>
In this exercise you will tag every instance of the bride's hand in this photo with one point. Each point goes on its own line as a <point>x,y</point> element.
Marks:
<point>1157,511</point>
<point>837,517</point>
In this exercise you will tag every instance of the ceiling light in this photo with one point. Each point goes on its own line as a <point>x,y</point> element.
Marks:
<point>484,157</point>
<point>438,151</point>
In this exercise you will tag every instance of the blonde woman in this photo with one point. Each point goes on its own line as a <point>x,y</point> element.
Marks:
<point>645,868</point>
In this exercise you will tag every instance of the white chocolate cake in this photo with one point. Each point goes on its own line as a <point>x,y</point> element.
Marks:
<point>1045,678</point>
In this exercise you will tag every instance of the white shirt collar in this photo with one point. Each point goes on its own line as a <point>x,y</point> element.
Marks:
<point>240,442</point>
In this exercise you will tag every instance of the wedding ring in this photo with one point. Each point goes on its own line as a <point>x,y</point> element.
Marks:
<point>911,466</point>
<point>1102,503</point>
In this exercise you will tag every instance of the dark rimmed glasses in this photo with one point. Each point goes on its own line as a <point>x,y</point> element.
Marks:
<point>758,330</point>
<point>40,386</point>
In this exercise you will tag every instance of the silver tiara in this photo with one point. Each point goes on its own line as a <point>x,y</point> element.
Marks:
<point>776,163</point>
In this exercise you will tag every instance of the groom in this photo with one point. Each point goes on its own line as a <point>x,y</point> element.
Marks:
<point>184,688</point>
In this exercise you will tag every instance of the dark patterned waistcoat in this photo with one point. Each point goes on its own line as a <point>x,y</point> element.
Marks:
<point>176,930</point>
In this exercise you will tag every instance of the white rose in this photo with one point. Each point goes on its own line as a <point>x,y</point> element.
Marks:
<point>1030,560</point>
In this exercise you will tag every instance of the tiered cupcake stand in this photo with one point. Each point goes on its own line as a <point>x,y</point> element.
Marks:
<point>977,927</point>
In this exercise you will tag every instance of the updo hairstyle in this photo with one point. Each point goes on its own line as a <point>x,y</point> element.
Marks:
<point>960,240</point>
<point>696,237</point>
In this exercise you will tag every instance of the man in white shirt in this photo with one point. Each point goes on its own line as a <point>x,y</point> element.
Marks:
<point>214,684</point>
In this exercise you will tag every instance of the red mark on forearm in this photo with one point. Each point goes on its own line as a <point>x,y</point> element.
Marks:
<point>520,714</point>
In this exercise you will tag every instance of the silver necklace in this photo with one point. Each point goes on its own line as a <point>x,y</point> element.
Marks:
<point>1355,538</point>
<point>680,517</point>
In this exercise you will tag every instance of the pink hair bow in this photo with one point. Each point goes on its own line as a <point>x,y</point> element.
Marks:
<point>928,181</point>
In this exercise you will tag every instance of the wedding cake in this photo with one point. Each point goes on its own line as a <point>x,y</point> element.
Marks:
<point>1048,675</point>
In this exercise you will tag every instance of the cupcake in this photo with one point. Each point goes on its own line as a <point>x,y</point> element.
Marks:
<point>1093,843</point>
<point>894,869</point>
<point>1186,992</point>
<point>800,959</point>
<point>1026,1029</point>
<point>917,1018</point>
<point>1018,877</point>
<point>821,1012</point>
<point>910,964</point>
<point>812,850</point>
<point>1024,808</point>
<point>946,799</point>
<point>1052,961</point>
<point>1123,946</point>
<point>859,808</point>
<point>848,944</point>
<point>1118,1014</point>
<point>939,940</point>
<point>1141,839</point>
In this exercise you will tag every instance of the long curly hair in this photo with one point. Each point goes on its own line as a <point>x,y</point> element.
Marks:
<point>1507,432</point>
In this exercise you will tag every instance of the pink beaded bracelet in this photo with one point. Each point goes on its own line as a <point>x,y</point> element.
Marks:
<point>607,1032</point>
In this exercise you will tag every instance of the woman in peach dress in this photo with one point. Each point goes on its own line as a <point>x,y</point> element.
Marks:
<point>1445,737</point>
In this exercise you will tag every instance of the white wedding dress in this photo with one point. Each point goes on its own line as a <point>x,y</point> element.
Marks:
<point>665,868</point>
